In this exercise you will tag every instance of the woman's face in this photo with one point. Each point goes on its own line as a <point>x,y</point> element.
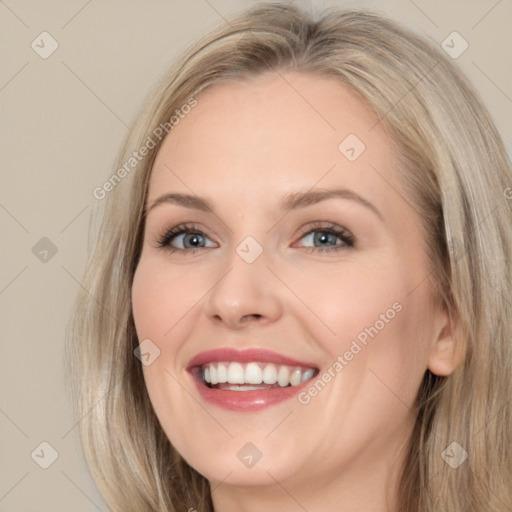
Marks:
<point>351,305</point>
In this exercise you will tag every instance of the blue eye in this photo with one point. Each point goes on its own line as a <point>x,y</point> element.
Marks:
<point>324,235</point>
<point>192,238</point>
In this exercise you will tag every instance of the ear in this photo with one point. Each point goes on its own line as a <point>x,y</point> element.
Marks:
<point>446,352</point>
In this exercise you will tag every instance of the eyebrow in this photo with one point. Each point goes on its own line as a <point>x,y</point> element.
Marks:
<point>292,201</point>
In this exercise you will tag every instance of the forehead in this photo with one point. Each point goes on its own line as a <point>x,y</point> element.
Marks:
<point>254,140</point>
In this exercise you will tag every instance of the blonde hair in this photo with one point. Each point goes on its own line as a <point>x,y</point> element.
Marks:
<point>456,171</point>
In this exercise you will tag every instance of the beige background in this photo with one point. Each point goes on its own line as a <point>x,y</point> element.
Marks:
<point>63,119</point>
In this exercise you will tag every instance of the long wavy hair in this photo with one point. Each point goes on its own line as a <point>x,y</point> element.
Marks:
<point>456,171</point>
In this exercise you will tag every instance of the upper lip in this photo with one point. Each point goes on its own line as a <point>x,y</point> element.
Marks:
<point>245,356</point>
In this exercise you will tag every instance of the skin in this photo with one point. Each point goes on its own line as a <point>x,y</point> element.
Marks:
<point>244,147</point>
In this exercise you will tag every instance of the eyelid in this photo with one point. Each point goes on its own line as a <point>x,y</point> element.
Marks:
<point>328,227</point>
<point>170,234</point>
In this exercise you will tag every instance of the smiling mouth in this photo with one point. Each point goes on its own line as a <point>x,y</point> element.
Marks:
<point>237,376</point>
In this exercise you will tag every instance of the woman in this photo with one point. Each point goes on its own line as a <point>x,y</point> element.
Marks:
<point>301,293</point>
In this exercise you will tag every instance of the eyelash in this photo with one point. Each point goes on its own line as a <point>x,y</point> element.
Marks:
<point>163,241</point>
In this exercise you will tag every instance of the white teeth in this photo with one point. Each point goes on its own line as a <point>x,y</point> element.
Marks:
<point>255,373</point>
<point>295,377</point>
<point>222,373</point>
<point>307,375</point>
<point>236,373</point>
<point>270,374</point>
<point>213,375</point>
<point>283,376</point>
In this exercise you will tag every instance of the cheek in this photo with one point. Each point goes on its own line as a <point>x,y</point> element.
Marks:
<point>161,296</point>
<point>349,301</point>
<point>369,318</point>
<point>394,351</point>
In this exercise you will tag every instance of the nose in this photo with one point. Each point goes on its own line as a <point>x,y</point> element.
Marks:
<point>245,295</point>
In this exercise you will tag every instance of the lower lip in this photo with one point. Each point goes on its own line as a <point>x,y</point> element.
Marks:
<point>247,401</point>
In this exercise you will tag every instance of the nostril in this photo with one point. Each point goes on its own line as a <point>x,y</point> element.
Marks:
<point>254,316</point>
